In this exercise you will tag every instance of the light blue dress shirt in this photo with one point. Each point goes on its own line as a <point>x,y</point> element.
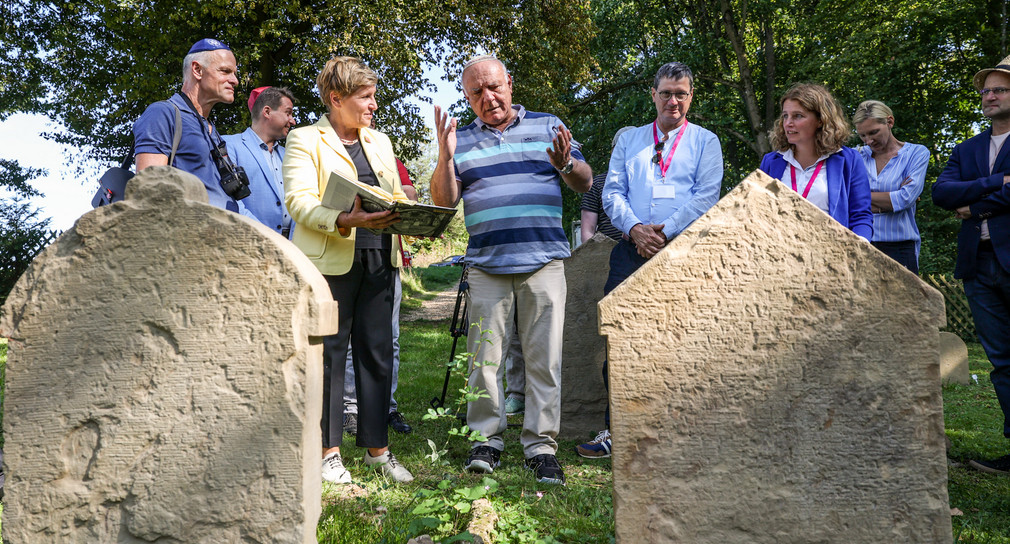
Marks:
<point>910,163</point>
<point>636,191</point>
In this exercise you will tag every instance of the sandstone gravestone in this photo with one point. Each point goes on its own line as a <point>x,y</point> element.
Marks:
<point>164,380</point>
<point>775,379</point>
<point>583,395</point>
<point>953,359</point>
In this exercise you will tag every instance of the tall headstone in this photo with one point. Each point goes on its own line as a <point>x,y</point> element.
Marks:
<point>775,379</point>
<point>583,395</point>
<point>164,380</point>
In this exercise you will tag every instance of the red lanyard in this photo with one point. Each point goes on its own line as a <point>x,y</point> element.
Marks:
<point>664,165</point>
<point>792,170</point>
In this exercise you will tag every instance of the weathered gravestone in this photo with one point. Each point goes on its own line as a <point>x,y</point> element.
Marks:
<point>953,359</point>
<point>583,395</point>
<point>164,380</point>
<point>775,379</point>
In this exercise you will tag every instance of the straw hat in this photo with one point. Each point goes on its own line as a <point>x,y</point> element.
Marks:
<point>979,79</point>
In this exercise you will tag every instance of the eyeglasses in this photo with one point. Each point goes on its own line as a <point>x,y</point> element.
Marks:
<point>681,96</point>
<point>659,152</point>
<point>998,91</point>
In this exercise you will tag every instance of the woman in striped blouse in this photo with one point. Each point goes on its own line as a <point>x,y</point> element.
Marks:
<point>897,171</point>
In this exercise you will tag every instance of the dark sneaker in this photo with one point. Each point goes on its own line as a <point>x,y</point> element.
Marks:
<point>483,459</point>
<point>396,422</point>
<point>993,466</point>
<point>598,448</point>
<point>351,424</point>
<point>547,469</point>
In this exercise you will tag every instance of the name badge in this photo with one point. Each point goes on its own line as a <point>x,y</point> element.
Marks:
<point>663,191</point>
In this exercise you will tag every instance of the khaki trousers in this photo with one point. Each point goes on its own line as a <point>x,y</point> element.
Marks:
<point>539,298</point>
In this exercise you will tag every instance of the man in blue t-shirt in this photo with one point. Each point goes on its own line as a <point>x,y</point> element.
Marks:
<point>208,78</point>
<point>508,166</point>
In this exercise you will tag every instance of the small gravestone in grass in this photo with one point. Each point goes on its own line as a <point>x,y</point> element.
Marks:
<point>583,395</point>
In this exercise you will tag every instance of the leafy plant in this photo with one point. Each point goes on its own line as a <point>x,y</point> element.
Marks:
<point>444,510</point>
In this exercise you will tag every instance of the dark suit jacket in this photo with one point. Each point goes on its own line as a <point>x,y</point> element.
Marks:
<point>266,197</point>
<point>966,181</point>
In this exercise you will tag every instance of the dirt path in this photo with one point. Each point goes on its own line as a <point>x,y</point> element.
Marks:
<point>440,307</point>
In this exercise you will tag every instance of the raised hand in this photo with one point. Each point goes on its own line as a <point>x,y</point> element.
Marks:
<point>560,151</point>
<point>445,130</point>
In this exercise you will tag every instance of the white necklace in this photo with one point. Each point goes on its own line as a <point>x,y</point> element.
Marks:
<point>348,142</point>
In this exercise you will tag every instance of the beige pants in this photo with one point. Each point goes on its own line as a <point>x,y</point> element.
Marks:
<point>539,297</point>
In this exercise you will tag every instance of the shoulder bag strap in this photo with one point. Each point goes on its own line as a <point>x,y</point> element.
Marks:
<point>177,134</point>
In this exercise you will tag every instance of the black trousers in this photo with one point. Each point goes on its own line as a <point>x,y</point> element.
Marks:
<point>364,298</point>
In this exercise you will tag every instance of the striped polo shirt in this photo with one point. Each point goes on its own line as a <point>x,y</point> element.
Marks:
<point>511,193</point>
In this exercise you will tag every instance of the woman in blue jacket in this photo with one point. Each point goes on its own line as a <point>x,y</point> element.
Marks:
<point>812,159</point>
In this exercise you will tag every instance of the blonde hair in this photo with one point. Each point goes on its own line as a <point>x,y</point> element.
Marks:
<point>344,76</point>
<point>834,130</point>
<point>872,109</point>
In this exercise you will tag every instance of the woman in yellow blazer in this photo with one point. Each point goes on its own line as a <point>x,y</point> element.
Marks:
<point>358,265</point>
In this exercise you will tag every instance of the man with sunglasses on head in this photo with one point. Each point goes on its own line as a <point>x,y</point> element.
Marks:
<point>662,177</point>
<point>974,186</point>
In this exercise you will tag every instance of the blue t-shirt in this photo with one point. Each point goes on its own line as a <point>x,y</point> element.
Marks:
<point>511,193</point>
<point>153,133</point>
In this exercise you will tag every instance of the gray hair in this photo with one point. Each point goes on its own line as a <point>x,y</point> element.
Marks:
<point>482,58</point>
<point>617,135</point>
<point>673,70</point>
<point>203,57</point>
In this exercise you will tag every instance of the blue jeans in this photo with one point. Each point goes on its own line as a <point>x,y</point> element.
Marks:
<point>989,297</point>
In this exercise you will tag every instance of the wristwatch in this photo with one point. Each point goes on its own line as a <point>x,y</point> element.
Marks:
<point>568,167</point>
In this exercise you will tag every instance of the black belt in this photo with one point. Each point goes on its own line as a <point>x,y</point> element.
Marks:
<point>985,245</point>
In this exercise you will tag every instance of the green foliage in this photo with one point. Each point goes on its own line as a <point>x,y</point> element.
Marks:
<point>23,234</point>
<point>95,66</point>
<point>443,511</point>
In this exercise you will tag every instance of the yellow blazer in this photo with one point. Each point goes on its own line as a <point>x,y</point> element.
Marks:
<point>311,153</point>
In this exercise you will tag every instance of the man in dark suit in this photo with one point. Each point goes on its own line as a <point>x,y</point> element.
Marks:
<point>974,186</point>
<point>257,151</point>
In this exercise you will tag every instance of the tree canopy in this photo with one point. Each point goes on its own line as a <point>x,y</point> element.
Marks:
<point>94,65</point>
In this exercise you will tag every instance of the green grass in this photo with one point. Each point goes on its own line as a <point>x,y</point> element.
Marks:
<point>580,512</point>
<point>972,418</point>
<point>583,511</point>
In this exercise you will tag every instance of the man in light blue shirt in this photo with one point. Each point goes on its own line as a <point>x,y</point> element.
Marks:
<point>257,151</point>
<point>663,176</point>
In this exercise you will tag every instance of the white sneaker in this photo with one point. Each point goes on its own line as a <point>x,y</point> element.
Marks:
<point>333,469</point>
<point>390,467</point>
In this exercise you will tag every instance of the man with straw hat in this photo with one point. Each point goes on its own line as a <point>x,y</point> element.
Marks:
<point>973,185</point>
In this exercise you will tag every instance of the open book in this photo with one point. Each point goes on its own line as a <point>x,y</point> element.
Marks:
<point>415,219</point>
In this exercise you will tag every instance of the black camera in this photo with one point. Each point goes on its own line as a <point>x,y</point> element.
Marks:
<point>234,180</point>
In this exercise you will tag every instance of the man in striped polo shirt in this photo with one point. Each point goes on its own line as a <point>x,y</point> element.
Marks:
<point>508,166</point>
